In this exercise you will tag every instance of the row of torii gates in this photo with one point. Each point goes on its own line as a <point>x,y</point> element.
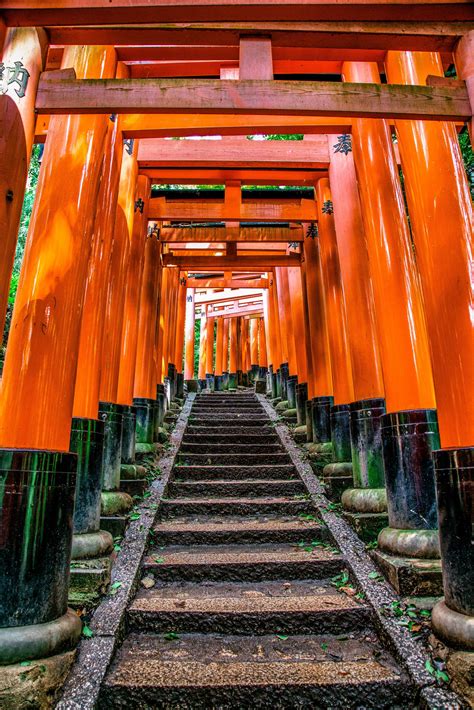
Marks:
<point>359,316</point>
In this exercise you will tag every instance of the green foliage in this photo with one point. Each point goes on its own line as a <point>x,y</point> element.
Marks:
<point>468,157</point>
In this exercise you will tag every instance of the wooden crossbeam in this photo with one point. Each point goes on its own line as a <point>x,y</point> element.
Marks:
<point>218,176</point>
<point>242,295</point>
<point>263,262</point>
<point>293,233</point>
<point>234,313</point>
<point>315,98</point>
<point>227,283</point>
<point>206,211</point>
<point>228,152</point>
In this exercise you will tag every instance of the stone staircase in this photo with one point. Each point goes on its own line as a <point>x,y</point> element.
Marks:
<point>244,609</point>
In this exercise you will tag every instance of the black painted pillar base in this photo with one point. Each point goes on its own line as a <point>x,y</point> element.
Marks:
<point>232,381</point>
<point>337,476</point>
<point>284,374</point>
<point>453,619</point>
<point>301,399</point>
<point>113,499</point>
<point>240,376</point>
<point>218,383</point>
<point>202,385</point>
<point>145,414</point>
<point>179,385</point>
<point>36,527</point>
<point>168,392</point>
<point>278,384</point>
<point>172,379</point>
<point>321,419</point>
<point>291,385</point>
<point>309,421</point>
<point>192,385</point>
<point>129,418</point>
<point>262,373</point>
<point>161,401</point>
<point>408,440</point>
<point>210,383</point>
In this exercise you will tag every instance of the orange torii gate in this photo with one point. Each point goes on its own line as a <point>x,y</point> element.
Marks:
<point>372,346</point>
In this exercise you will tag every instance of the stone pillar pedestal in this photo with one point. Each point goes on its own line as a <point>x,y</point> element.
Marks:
<point>291,384</point>
<point>114,501</point>
<point>453,618</point>
<point>36,527</point>
<point>337,476</point>
<point>91,547</point>
<point>232,380</point>
<point>129,421</point>
<point>144,408</point>
<point>365,505</point>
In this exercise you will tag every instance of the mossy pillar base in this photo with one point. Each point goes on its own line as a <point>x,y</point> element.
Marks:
<point>87,442</point>
<point>202,385</point>
<point>301,399</point>
<point>291,384</point>
<point>453,622</point>
<point>309,421</point>
<point>341,432</point>
<point>240,378</point>
<point>408,440</point>
<point>179,385</point>
<point>168,392</point>
<point>366,443</point>
<point>36,527</point>
<point>232,380</point>
<point>284,374</point>
<point>192,385</point>
<point>129,419</point>
<point>253,373</point>
<point>274,384</point>
<point>113,500</point>
<point>144,408</point>
<point>218,385</point>
<point>161,401</point>
<point>210,382</point>
<point>225,380</point>
<point>321,419</point>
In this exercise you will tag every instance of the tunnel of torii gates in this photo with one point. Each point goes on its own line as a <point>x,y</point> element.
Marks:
<point>343,296</point>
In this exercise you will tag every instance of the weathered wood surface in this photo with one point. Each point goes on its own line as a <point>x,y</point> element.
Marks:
<point>219,176</point>
<point>254,311</point>
<point>244,234</point>
<point>313,98</point>
<point>242,296</point>
<point>236,263</point>
<point>211,211</point>
<point>227,283</point>
<point>103,12</point>
<point>229,152</point>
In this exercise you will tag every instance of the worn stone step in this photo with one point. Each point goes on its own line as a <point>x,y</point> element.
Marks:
<point>231,430</point>
<point>228,439</point>
<point>216,671</point>
<point>211,459</point>
<point>252,406</point>
<point>207,529</point>
<point>220,422</point>
<point>286,505</point>
<point>281,472</point>
<point>246,608</point>
<point>241,563</point>
<point>253,488</point>
<point>233,448</point>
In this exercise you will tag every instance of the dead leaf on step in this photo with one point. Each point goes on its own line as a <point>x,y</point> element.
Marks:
<point>148,582</point>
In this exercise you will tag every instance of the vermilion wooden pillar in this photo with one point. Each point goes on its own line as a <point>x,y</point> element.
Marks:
<point>171,331</point>
<point>334,298</point>
<point>225,353</point>
<point>43,346</point>
<point>363,414</point>
<point>253,366</point>
<point>273,318</point>
<point>464,60</point>
<point>402,337</point>
<point>38,385</point>
<point>17,130</point>
<point>146,368</point>
<point>318,336</point>
<point>86,395</point>
<point>161,325</point>
<point>190,321</point>
<point>442,225</point>
<point>300,342</point>
<point>219,349</point>
<point>210,345</point>
<point>233,345</point>
<point>133,285</point>
<point>120,261</point>
<point>180,327</point>
<point>262,348</point>
<point>203,349</point>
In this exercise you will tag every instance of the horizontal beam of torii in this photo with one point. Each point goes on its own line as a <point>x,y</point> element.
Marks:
<point>224,297</point>
<point>303,210</point>
<point>236,263</point>
<point>234,313</point>
<point>173,235</point>
<point>312,98</point>
<point>226,283</point>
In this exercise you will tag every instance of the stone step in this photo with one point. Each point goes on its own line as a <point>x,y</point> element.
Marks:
<point>216,671</point>
<point>241,563</point>
<point>281,471</point>
<point>299,607</point>
<point>227,439</point>
<point>219,422</point>
<point>234,489</point>
<point>231,430</point>
<point>211,459</point>
<point>233,448</point>
<point>207,529</point>
<point>170,508</point>
<point>225,406</point>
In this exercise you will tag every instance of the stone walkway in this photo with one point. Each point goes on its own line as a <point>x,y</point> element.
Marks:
<point>245,599</point>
